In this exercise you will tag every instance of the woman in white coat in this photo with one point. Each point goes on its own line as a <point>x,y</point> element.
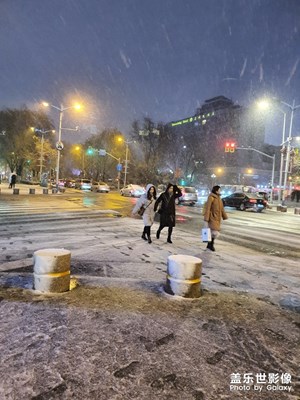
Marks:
<point>147,200</point>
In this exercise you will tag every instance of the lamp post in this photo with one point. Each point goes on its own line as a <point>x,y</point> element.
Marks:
<point>282,155</point>
<point>265,104</point>
<point>59,144</point>
<point>126,162</point>
<point>293,108</point>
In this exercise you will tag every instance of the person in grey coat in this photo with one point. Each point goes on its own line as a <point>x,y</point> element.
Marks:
<point>147,200</point>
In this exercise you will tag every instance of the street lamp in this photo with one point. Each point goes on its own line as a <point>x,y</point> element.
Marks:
<point>293,108</point>
<point>265,104</point>
<point>59,144</point>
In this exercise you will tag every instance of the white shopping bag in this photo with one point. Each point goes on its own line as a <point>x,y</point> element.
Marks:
<point>206,235</point>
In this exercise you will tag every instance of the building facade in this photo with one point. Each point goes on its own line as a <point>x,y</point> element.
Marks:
<point>217,122</point>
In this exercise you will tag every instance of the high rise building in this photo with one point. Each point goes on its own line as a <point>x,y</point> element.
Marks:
<point>217,122</point>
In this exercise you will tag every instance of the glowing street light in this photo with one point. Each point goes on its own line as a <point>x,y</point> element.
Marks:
<point>59,144</point>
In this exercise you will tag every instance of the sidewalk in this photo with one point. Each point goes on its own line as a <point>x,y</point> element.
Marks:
<point>117,335</point>
<point>24,189</point>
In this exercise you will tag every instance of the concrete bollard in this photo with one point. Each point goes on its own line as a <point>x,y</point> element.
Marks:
<point>282,208</point>
<point>297,211</point>
<point>184,276</point>
<point>31,191</point>
<point>54,191</point>
<point>45,191</point>
<point>16,191</point>
<point>51,269</point>
<point>61,189</point>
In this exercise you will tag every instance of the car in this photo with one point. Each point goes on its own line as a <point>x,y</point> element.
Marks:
<point>189,195</point>
<point>101,187</point>
<point>70,183</point>
<point>83,184</point>
<point>132,190</point>
<point>243,201</point>
<point>61,183</point>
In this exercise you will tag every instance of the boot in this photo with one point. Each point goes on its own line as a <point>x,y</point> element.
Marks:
<point>148,234</point>
<point>158,233</point>
<point>169,235</point>
<point>210,245</point>
<point>144,233</point>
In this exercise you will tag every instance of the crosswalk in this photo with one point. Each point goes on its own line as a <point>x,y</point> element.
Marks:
<point>270,233</point>
<point>30,209</point>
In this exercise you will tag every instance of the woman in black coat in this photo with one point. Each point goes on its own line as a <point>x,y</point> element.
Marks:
<point>166,205</point>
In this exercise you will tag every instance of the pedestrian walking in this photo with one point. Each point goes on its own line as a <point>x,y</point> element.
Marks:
<point>213,215</point>
<point>165,205</point>
<point>147,201</point>
<point>12,180</point>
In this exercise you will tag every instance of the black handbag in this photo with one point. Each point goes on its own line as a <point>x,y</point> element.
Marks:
<point>141,211</point>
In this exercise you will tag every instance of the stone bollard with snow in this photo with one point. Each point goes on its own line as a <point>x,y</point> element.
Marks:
<point>184,276</point>
<point>52,270</point>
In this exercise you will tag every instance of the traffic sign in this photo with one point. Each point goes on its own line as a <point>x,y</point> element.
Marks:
<point>119,167</point>
<point>102,152</point>
<point>59,145</point>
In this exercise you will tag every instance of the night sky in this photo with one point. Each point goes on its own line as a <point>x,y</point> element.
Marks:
<point>125,59</point>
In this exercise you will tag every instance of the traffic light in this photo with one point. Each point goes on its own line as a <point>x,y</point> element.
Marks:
<point>90,151</point>
<point>229,147</point>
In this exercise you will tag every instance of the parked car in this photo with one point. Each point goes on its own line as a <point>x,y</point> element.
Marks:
<point>132,190</point>
<point>101,187</point>
<point>244,201</point>
<point>61,183</point>
<point>189,195</point>
<point>83,184</point>
<point>70,183</point>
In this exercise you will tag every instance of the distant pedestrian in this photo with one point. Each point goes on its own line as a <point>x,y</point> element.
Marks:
<point>214,213</point>
<point>147,201</point>
<point>12,180</point>
<point>165,205</point>
<point>293,195</point>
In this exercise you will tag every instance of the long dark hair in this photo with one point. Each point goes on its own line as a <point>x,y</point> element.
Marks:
<point>149,195</point>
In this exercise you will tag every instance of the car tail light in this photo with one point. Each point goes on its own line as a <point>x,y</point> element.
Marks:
<point>252,201</point>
